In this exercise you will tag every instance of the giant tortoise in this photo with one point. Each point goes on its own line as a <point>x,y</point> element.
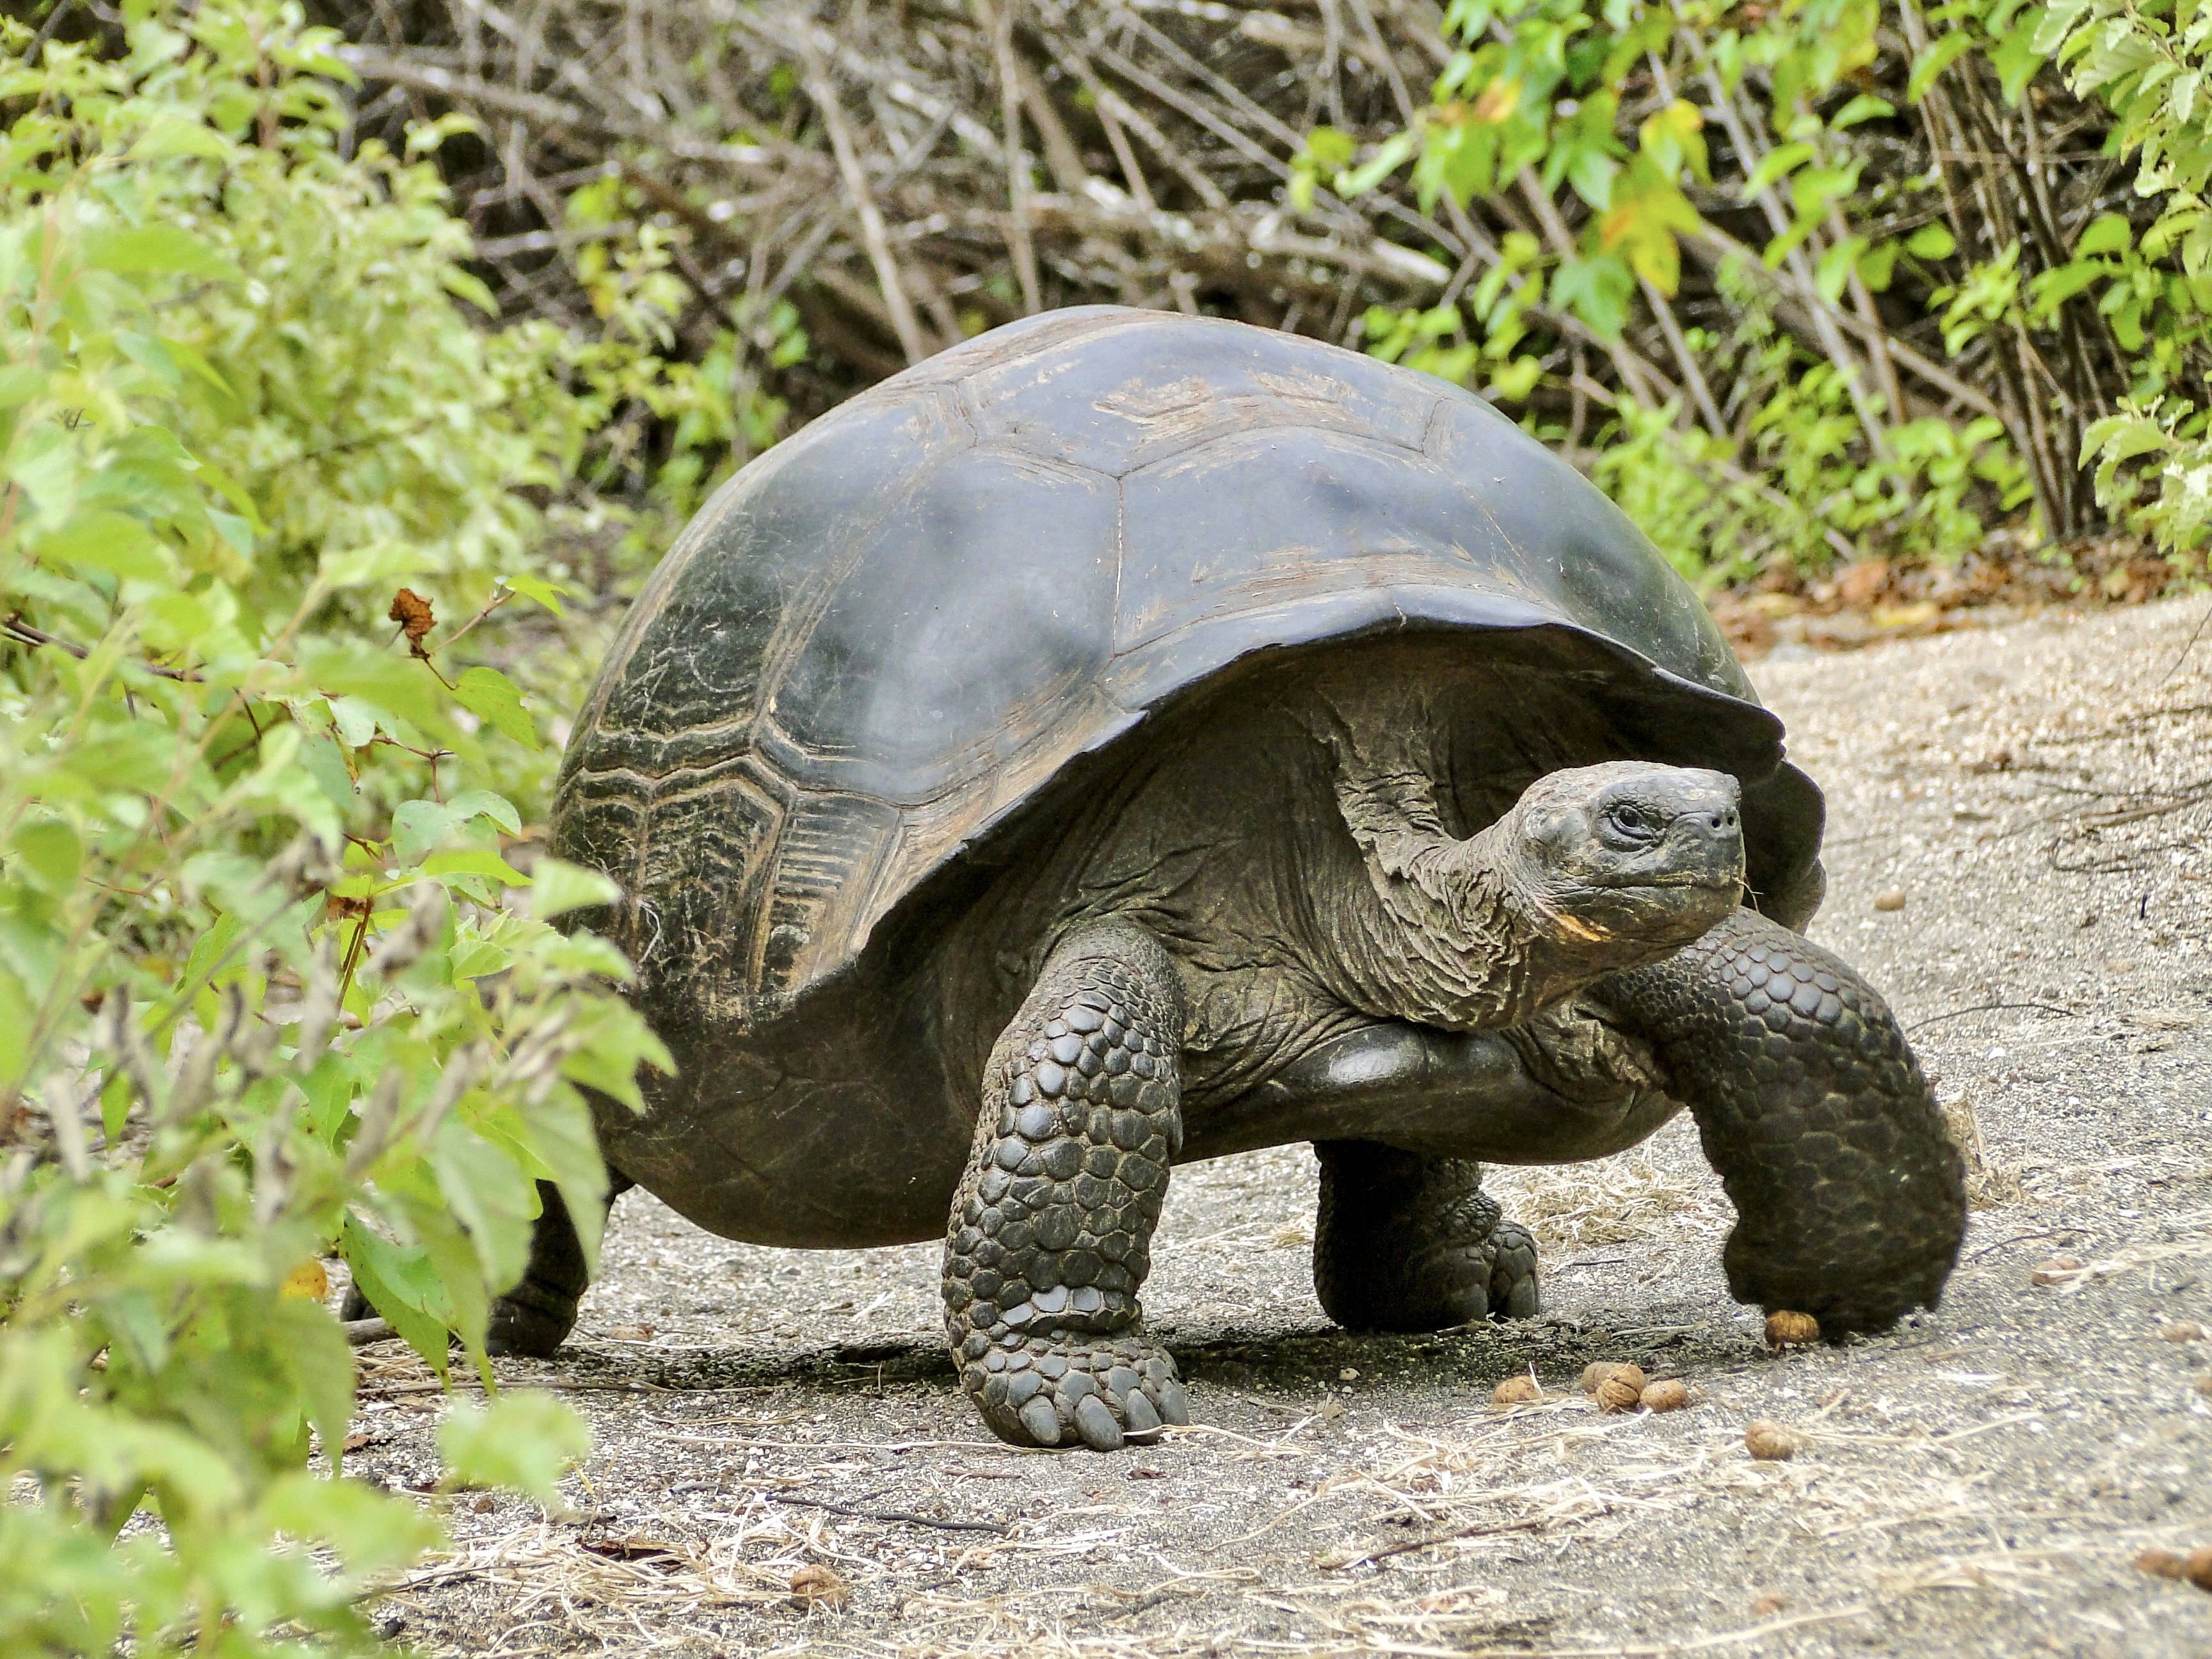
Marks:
<point>1128,738</point>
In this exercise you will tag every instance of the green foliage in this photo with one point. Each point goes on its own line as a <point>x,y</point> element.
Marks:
<point>1643,135</point>
<point>2148,65</point>
<point>267,993</point>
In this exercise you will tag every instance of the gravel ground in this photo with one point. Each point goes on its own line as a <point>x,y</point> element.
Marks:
<point>2021,834</point>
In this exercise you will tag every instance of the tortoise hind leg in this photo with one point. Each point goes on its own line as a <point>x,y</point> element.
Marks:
<point>1403,1242</point>
<point>1050,1236</point>
<point>535,1317</point>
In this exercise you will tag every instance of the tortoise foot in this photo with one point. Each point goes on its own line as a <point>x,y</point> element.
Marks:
<point>1063,1391</point>
<point>1407,1244</point>
<point>531,1321</point>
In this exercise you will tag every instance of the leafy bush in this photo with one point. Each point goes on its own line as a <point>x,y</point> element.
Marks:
<point>270,988</point>
<point>1945,318</point>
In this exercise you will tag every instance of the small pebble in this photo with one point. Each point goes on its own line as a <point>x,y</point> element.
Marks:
<point>1768,1605</point>
<point>1769,1442</point>
<point>2203,1384</point>
<point>1786,1329</point>
<point>1516,1391</point>
<point>1890,898</point>
<point>2057,1271</point>
<point>2184,1333</point>
<point>1347,1375</point>
<point>1671,1395</point>
<point>2119,965</point>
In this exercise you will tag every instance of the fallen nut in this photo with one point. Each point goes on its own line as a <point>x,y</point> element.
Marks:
<point>1670,1395</point>
<point>816,1586</point>
<point>1595,1376</point>
<point>1890,898</point>
<point>1516,1391</point>
<point>1769,1442</point>
<point>1617,1393</point>
<point>2057,1271</point>
<point>2194,1568</point>
<point>1785,1329</point>
<point>2189,1333</point>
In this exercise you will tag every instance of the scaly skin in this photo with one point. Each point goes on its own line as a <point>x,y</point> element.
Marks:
<point>1849,1195</point>
<point>1050,1236</point>
<point>1402,1242</point>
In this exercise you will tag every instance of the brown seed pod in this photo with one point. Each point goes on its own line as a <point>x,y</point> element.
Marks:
<point>816,1586</point>
<point>2194,1568</point>
<point>1516,1391</point>
<point>1769,1442</point>
<point>1594,1376</point>
<point>1617,1394</point>
<point>2059,1270</point>
<point>1669,1396</point>
<point>1785,1329</point>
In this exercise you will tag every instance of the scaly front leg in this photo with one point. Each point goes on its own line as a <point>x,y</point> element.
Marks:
<point>1850,1195</point>
<point>1051,1231</point>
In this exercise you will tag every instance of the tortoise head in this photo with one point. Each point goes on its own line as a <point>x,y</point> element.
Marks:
<point>1631,858</point>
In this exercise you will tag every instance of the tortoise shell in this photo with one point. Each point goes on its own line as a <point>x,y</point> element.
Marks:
<point>879,643</point>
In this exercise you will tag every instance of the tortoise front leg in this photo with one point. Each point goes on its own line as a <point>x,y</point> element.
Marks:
<point>1850,1195</point>
<point>1050,1236</point>
<point>1403,1242</point>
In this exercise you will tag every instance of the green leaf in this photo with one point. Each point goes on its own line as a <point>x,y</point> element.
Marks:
<point>1864,107</point>
<point>474,861</point>
<point>1945,52</point>
<point>547,593</point>
<point>1775,163</point>
<point>491,696</point>
<point>558,887</point>
<point>152,248</point>
<point>1932,241</point>
<point>417,827</point>
<point>524,1442</point>
<point>2108,232</point>
<point>483,803</point>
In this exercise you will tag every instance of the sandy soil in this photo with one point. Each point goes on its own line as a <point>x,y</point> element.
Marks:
<point>1980,1481</point>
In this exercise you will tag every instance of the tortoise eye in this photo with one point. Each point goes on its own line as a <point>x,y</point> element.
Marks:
<point>1629,819</point>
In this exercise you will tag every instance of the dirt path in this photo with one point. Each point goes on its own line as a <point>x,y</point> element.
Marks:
<point>1979,1482</point>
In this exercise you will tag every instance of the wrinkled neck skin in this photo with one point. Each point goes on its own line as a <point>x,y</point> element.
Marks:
<point>1450,932</point>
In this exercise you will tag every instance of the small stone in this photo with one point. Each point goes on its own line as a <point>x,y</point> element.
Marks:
<point>1516,1391</point>
<point>1766,1606</point>
<point>1890,898</point>
<point>816,1586</point>
<point>2184,1332</point>
<point>1347,1375</point>
<point>1769,1442</point>
<point>2058,1270</point>
<point>1785,1329</point>
<point>2203,1384</point>
<point>2118,965</point>
<point>1594,1376</point>
<point>1670,1395</point>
